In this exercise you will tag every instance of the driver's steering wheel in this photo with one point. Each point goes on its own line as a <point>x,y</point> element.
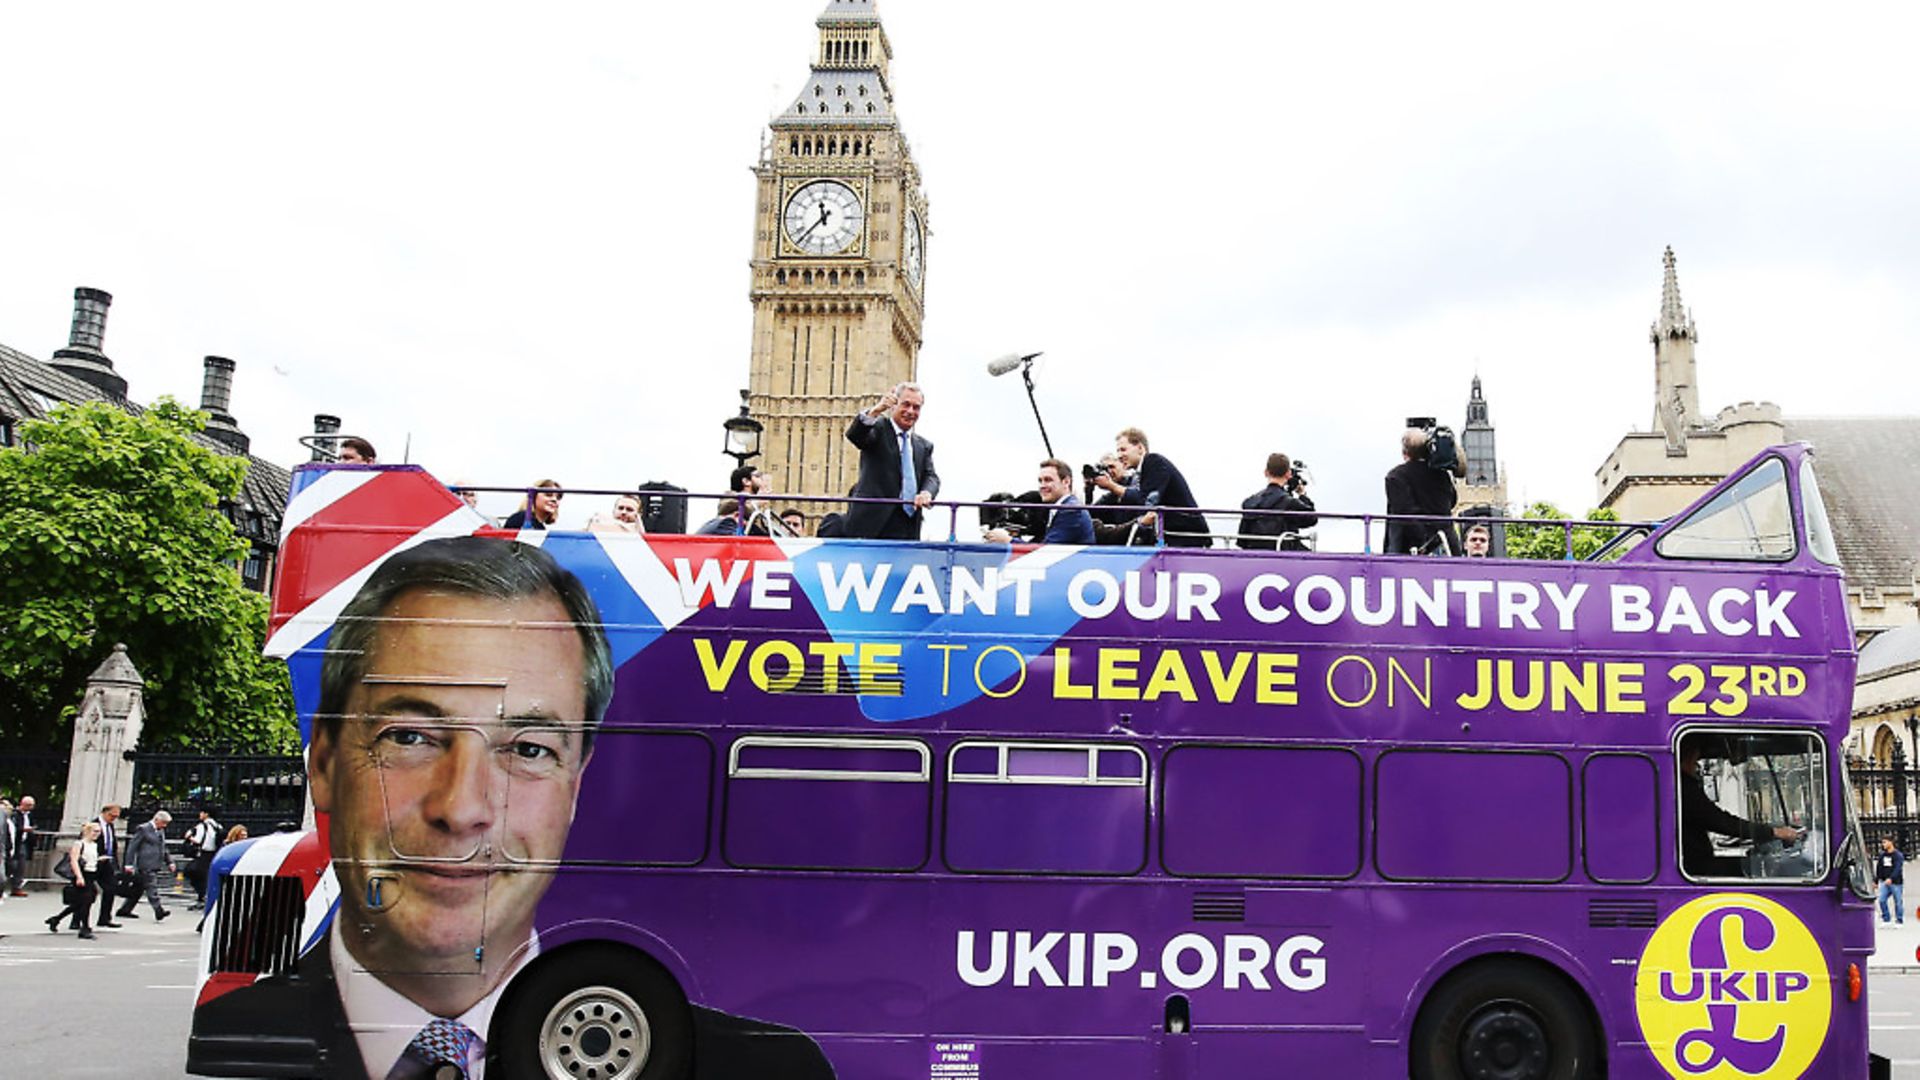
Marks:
<point>1773,856</point>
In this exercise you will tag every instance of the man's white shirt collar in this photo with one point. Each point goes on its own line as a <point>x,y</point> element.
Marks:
<point>384,1020</point>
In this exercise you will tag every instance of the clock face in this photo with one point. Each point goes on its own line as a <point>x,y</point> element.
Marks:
<point>824,218</point>
<point>912,256</point>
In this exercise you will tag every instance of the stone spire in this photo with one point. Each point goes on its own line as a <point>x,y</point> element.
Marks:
<point>1676,405</point>
<point>1675,320</point>
<point>1477,440</point>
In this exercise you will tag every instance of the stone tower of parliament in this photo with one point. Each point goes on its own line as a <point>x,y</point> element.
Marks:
<point>839,258</point>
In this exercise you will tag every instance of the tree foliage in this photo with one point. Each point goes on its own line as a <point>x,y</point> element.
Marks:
<point>110,532</point>
<point>1550,541</point>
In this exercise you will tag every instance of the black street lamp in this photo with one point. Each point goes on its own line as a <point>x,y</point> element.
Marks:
<point>743,434</point>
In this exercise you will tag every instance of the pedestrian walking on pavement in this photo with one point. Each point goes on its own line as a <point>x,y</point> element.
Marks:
<point>107,880</point>
<point>202,841</point>
<point>80,868</point>
<point>1890,871</point>
<point>148,858</point>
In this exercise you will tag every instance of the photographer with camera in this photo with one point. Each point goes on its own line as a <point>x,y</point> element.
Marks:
<point>1423,484</point>
<point>1069,523</point>
<point>1110,479</point>
<point>1286,490</point>
<point>1119,518</point>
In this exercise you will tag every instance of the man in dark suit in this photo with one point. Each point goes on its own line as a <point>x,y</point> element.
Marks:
<point>1162,488</point>
<point>1266,532</point>
<point>147,858</point>
<point>23,833</point>
<point>107,875</point>
<point>464,669</point>
<point>895,463</point>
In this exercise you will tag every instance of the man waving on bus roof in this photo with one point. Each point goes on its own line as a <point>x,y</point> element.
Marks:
<point>464,670</point>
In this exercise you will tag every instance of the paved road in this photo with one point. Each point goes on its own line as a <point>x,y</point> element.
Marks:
<point>140,980</point>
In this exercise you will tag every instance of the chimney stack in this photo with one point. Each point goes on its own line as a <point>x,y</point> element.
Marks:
<point>216,388</point>
<point>216,392</point>
<point>325,427</point>
<point>83,358</point>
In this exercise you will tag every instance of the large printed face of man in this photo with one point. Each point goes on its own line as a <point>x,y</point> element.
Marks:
<point>454,791</point>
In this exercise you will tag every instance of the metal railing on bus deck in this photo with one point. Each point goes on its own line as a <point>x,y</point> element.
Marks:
<point>766,516</point>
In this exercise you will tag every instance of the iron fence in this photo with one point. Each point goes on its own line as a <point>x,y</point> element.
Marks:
<point>43,775</point>
<point>263,793</point>
<point>1888,802</point>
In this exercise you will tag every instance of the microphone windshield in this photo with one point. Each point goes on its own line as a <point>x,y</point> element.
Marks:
<point>1008,363</point>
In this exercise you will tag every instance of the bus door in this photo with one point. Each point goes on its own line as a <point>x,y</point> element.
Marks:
<point>436,760</point>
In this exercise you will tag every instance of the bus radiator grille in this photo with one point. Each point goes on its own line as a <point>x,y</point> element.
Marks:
<point>257,925</point>
<point>1622,914</point>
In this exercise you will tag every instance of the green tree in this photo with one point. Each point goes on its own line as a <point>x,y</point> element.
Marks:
<point>109,532</point>
<point>1550,541</point>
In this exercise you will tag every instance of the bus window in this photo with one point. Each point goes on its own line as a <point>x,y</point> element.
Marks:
<point>1753,806</point>
<point>1750,520</point>
<point>1621,802</point>
<point>1819,529</point>
<point>827,804</point>
<point>1059,808</point>
<point>1272,812</point>
<point>1473,815</point>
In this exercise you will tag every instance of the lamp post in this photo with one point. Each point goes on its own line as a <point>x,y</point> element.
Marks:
<point>743,434</point>
<point>1900,794</point>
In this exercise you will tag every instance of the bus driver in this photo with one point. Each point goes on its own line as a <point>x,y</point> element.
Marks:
<point>1700,815</point>
<point>415,745</point>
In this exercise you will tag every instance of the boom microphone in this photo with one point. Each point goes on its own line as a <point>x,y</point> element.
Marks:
<point>1008,363</point>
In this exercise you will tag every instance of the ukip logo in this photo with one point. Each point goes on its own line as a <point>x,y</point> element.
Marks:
<point>1733,985</point>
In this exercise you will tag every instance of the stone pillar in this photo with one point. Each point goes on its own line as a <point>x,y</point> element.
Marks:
<point>111,716</point>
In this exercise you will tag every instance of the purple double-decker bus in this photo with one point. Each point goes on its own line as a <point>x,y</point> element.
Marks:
<point>607,805</point>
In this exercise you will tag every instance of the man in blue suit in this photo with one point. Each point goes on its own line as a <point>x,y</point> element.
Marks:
<point>1070,523</point>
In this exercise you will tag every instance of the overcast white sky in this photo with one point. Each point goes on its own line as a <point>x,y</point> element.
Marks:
<point>518,234</point>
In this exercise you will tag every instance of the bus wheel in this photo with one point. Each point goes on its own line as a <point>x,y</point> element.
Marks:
<point>595,1013</point>
<point>1504,1019</point>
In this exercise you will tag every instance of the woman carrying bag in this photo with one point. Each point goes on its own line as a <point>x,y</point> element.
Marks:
<point>83,858</point>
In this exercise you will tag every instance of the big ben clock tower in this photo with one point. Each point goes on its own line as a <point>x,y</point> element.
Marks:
<point>839,258</point>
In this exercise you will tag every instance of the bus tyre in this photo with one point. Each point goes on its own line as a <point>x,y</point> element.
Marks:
<point>1504,1020</point>
<point>595,1014</point>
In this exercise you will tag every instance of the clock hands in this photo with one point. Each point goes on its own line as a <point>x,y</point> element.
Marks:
<point>824,214</point>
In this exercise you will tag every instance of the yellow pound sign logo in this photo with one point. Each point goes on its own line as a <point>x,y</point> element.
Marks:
<point>1733,985</point>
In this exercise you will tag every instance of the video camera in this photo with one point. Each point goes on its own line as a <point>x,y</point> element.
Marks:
<point>1443,451</point>
<point>1298,482</point>
<point>1021,522</point>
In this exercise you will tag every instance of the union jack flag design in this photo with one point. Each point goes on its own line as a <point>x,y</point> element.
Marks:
<point>343,522</point>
